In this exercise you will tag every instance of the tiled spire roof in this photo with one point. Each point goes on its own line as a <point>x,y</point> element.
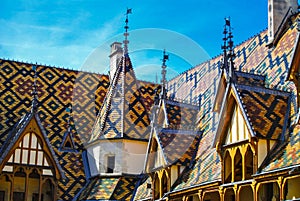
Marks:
<point>123,114</point>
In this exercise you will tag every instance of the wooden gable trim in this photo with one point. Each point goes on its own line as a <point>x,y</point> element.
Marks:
<point>151,149</point>
<point>231,99</point>
<point>34,127</point>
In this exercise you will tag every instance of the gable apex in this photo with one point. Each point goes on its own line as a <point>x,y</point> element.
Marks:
<point>30,124</point>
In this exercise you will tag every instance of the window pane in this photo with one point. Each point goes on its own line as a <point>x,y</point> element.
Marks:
<point>2,195</point>
<point>8,168</point>
<point>32,157</point>
<point>26,141</point>
<point>110,164</point>
<point>45,162</point>
<point>11,159</point>
<point>24,156</point>
<point>40,158</point>
<point>19,196</point>
<point>47,172</point>
<point>17,156</point>
<point>33,141</point>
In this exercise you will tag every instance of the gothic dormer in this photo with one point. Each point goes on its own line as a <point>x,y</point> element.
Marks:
<point>253,119</point>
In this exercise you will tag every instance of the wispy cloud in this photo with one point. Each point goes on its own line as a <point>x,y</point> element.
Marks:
<point>57,44</point>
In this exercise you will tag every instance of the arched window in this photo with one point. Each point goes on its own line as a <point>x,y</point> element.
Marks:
<point>165,183</point>
<point>248,163</point>
<point>227,168</point>
<point>156,187</point>
<point>229,195</point>
<point>238,166</point>
<point>246,193</point>
<point>268,191</point>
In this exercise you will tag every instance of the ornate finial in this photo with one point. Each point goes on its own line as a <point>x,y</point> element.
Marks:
<point>228,50</point>
<point>163,74</point>
<point>34,90</point>
<point>126,34</point>
<point>68,110</point>
<point>224,46</point>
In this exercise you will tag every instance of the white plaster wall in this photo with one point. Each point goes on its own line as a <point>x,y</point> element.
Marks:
<point>110,148</point>
<point>93,154</point>
<point>134,156</point>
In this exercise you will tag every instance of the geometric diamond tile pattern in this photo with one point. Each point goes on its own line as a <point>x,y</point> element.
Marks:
<point>126,107</point>
<point>55,89</point>
<point>179,147</point>
<point>180,115</point>
<point>266,110</point>
<point>120,188</point>
<point>201,83</point>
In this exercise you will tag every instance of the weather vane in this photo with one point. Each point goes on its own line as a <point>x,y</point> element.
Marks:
<point>126,34</point>
<point>228,46</point>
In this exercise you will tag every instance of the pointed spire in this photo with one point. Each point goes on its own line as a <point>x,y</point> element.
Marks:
<point>68,110</point>
<point>163,74</point>
<point>228,50</point>
<point>34,93</point>
<point>126,34</point>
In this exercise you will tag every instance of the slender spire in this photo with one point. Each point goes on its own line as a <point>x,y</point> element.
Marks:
<point>34,93</point>
<point>126,34</point>
<point>231,53</point>
<point>68,110</point>
<point>224,46</point>
<point>163,74</point>
<point>228,50</point>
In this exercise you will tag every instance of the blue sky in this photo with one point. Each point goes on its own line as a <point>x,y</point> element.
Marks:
<point>68,33</point>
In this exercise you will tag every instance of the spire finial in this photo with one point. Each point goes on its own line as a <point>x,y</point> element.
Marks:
<point>163,74</point>
<point>228,49</point>
<point>126,34</point>
<point>68,110</point>
<point>34,90</point>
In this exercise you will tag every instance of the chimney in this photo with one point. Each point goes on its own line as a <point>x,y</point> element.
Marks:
<point>116,53</point>
<point>278,12</point>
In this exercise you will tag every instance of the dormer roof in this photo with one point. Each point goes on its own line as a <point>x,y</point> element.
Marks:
<point>265,111</point>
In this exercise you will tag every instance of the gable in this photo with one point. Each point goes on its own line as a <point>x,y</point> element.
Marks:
<point>155,158</point>
<point>29,151</point>
<point>28,145</point>
<point>68,142</point>
<point>237,129</point>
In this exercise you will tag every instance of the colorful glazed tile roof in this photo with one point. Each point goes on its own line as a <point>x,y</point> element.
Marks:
<point>267,110</point>
<point>181,115</point>
<point>58,89</point>
<point>205,169</point>
<point>143,191</point>
<point>16,133</point>
<point>201,82</point>
<point>124,113</point>
<point>109,188</point>
<point>287,156</point>
<point>250,79</point>
<point>179,147</point>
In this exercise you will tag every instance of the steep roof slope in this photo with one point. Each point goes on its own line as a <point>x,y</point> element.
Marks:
<point>201,83</point>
